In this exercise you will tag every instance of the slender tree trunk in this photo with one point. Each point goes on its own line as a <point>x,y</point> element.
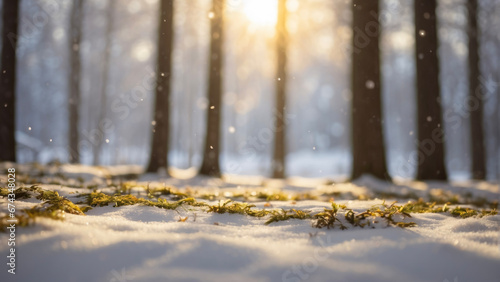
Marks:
<point>496,125</point>
<point>210,164</point>
<point>159,148</point>
<point>496,150</point>
<point>190,109</point>
<point>278,163</point>
<point>368,148</point>
<point>104,86</point>
<point>476,114</point>
<point>190,124</point>
<point>431,164</point>
<point>10,18</point>
<point>74,79</point>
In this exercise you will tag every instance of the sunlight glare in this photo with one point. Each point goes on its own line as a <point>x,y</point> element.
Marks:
<point>261,12</point>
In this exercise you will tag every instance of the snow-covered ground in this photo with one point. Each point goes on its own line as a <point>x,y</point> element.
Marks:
<point>142,243</point>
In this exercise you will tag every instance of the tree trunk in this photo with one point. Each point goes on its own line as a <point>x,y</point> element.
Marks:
<point>104,85</point>
<point>475,95</point>
<point>159,148</point>
<point>210,164</point>
<point>431,165</point>
<point>8,80</point>
<point>279,151</point>
<point>496,150</point>
<point>74,79</point>
<point>368,150</point>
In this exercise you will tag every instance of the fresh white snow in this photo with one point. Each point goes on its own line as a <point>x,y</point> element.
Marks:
<point>140,243</point>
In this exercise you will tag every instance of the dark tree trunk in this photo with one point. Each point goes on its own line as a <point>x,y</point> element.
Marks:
<point>8,80</point>
<point>159,148</point>
<point>105,74</point>
<point>368,150</point>
<point>210,164</point>
<point>74,79</point>
<point>476,113</point>
<point>431,165</point>
<point>279,152</point>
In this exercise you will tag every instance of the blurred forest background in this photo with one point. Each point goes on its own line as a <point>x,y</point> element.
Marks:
<point>318,89</point>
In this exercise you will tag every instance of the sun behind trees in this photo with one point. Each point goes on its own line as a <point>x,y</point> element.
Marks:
<point>367,131</point>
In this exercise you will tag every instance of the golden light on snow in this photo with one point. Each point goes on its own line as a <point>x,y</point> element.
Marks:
<point>261,12</point>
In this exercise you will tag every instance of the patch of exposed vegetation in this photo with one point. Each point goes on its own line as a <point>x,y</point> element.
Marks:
<point>166,191</point>
<point>230,207</point>
<point>328,217</point>
<point>22,192</point>
<point>100,199</point>
<point>55,206</point>
<point>467,212</point>
<point>281,215</point>
<point>54,202</point>
<point>41,174</point>
<point>393,214</point>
